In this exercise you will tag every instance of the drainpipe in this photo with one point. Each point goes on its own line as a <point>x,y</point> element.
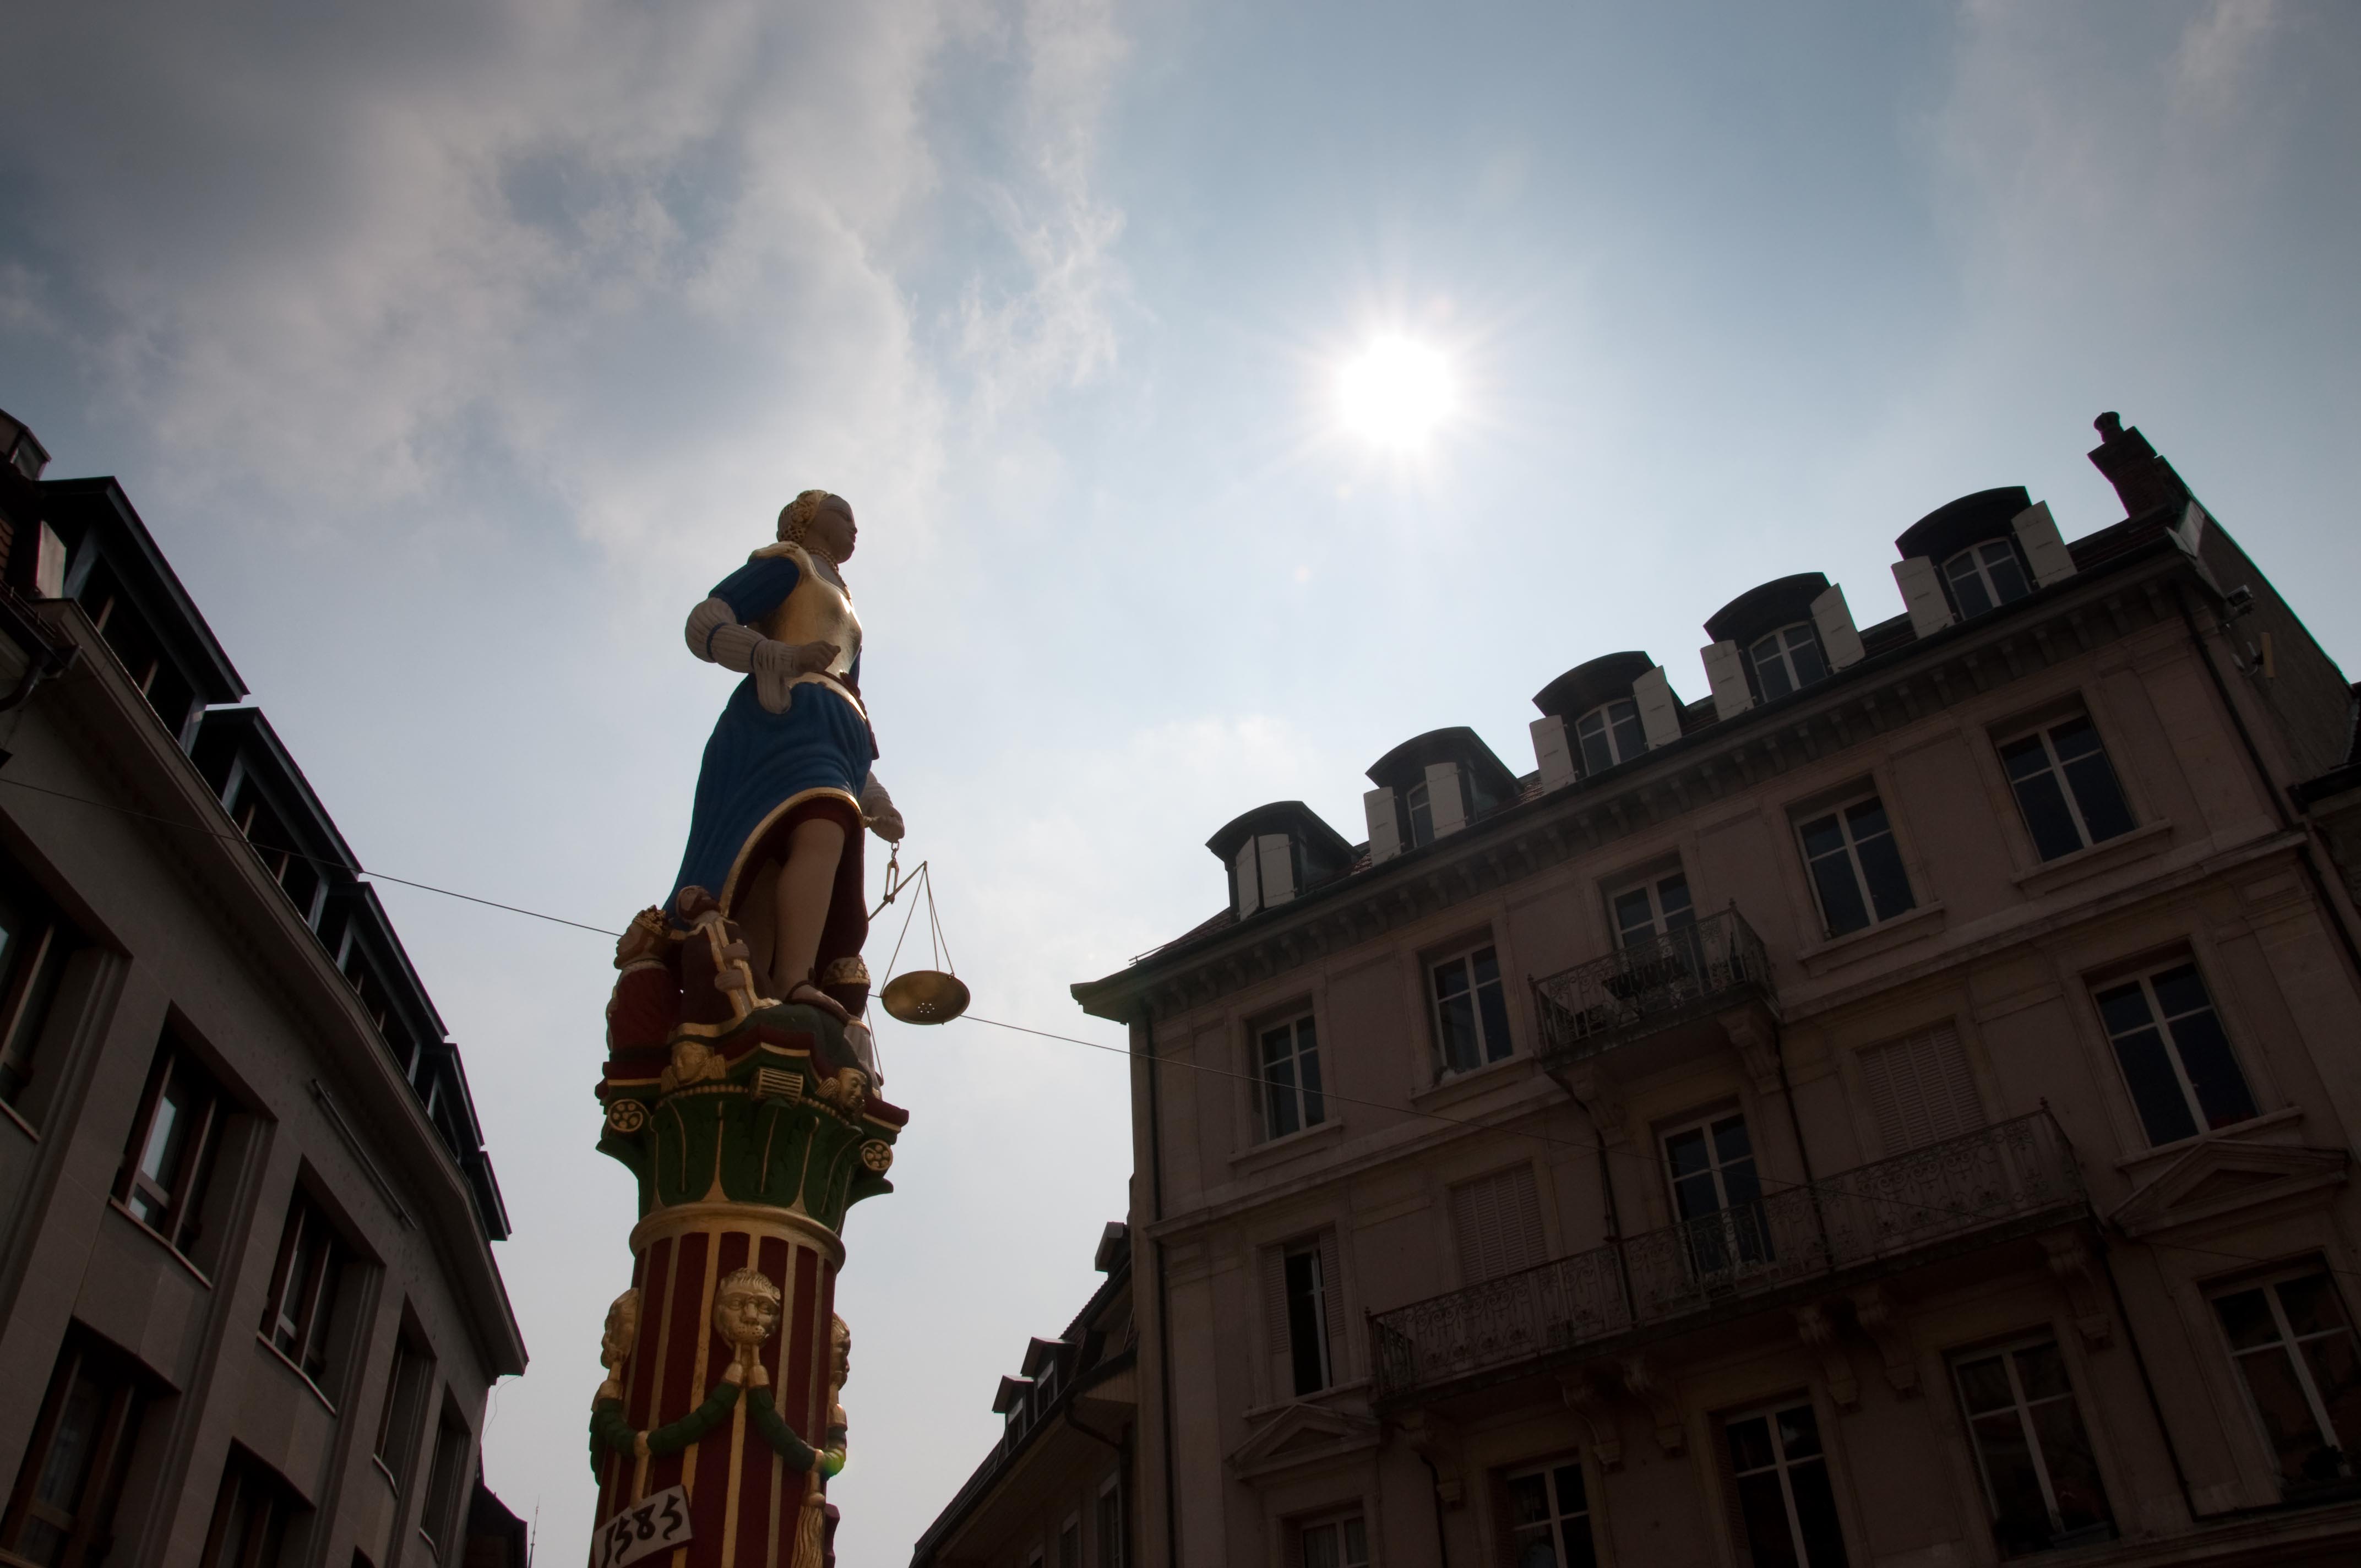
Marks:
<point>1803,1150</point>
<point>1442,1542</point>
<point>2279,801</point>
<point>1146,1025</point>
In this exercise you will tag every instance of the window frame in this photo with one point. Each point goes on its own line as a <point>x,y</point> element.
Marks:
<point>1069,1529</point>
<point>182,1199</point>
<point>1743,1234</point>
<point>30,986</point>
<point>1309,1103</point>
<point>1339,1521</point>
<point>1784,654</point>
<point>2005,1351</point>
<point>80,1358</point>
<point>1610,724</point>
<point>327,1270</point>
<point>2288,1345</point>
<point>1651,887</point>
<point>1980,572</point>
<point>1546,1472</point>
<point>1112,1546</point>
<point>409,1379</point>
<point>2143,977</point>
<point>1839,807</point>
<point>268,1507</point>
<point>441,1503</point>
<point>1319,1309</point>
<point>2042,733</point>
<point>1783,1467</point>
<point>1465,954</point>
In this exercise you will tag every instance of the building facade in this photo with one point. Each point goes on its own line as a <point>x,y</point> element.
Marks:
<point>1056,1491</point>
<point>1896,1108</point>
<point>248,1310</point>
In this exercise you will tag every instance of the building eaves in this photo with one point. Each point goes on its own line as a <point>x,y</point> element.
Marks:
<point>173,791</point>
<point>1005,1456</point>
<point>2117,550</point>
<point>95,509</point>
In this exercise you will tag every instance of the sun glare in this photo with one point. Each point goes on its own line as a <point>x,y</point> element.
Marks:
<point>1395,392</point>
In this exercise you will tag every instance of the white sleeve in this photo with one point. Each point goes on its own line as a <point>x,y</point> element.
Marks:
<point>706,619</point>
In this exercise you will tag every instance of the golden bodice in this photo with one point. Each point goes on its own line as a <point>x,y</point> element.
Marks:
<point>817,611</point>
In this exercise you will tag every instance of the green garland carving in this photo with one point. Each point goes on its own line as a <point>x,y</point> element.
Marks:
<point>611,1433</point>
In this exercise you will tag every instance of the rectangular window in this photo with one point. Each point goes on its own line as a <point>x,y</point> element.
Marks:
<point>1307,1320</point>
<point>1549,1515</point>
<point>1608,734</point>
<point>1498,1219</point>
<point>1788,660</point>
<point>312,1260</point>
<point>1856,869</point>
<point>2176,1059</point>
<point>1471,1016</point>
<point>1109,1523</point>
<point>1717,1195</point>
<point>35,942</point>
<point>1985,576</point>
<point>175,1141</point>
<point>2066,788</point>
<point>2293,1343</point>
<point>1070,1543</point>
<point>405,1398</point>
<point>438,1522</point>
<point>1652,910</point>
<point>251,1513</point>
<point>1783,1495</point>
<point>1291,1100</point>
<point>1921,1089</point>
<point>60,1512</point>
<point>1334,1543</point>
<point>2039,1476</point>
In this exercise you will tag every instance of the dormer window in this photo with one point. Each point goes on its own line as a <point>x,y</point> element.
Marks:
<point>1788,660</point>
<point>1422,814</point>
<point>1610,734</point>
<point>1984,577</point>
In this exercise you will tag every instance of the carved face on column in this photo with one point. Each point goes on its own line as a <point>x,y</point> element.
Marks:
<point>746,1309</point>
<point>839,1350</point>
<point>622,1329</point>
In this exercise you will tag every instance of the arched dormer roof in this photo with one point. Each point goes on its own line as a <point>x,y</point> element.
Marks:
<point>1405,766</point>
<point>1323,848</point>
<point>1953,526</point>
<point>1767,607</point>
<point>1587,685</point>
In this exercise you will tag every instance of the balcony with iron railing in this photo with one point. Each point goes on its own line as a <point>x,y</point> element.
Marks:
<point>1693,972</point>
<point>1964,1194</point>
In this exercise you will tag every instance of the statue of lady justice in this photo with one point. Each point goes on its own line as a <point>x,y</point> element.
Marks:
<point>786,788</point>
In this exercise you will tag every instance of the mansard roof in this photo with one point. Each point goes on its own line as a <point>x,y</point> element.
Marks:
<point>1297,821</point>
<point>1406,764</point>
<point>1953,526</point>
<point>1766,606</point>
<point>1594,681</point>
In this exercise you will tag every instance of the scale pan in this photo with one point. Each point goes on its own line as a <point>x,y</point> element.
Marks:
<point>924,996</point>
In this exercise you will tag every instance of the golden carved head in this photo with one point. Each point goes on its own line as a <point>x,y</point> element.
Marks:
<point>839,1350</point>
<point>795,517</point>
<point>622,1332</point>
<point>745,1309</point>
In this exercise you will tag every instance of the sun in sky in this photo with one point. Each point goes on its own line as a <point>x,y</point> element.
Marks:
<point>1396,392</point>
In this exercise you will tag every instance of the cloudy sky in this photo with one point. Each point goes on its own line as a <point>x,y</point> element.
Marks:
<point>453,350</point>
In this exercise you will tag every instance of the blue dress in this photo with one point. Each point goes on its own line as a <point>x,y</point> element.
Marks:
<point>758,762</point>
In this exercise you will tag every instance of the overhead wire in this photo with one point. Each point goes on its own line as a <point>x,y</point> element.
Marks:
<point>1825,1186</point>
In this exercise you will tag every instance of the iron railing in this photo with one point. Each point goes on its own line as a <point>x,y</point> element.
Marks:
<point>2016,1175</point>
<point>1650,985</point>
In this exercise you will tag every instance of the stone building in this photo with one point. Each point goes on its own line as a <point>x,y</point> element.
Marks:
<point>249,1309</point>
<point>1896,1107</point>
<point>1055,1491</point>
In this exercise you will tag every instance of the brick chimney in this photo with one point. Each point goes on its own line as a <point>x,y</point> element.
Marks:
<point>2142,479</point>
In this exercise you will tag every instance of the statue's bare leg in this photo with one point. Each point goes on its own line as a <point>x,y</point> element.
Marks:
<point>805,884</point>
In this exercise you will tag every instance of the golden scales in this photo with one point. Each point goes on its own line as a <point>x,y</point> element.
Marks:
<point>919,995</point>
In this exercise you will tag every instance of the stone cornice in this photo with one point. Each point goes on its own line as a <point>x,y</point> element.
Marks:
<point>2101,605</point>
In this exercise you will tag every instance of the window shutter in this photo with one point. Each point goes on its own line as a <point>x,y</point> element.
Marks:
<point>1833,618</point>
<point>1444,799</point>
<point>1278,868</point>
<point>2036,532</point>
<point>1726,673</point>
<point>1332,1300</point>
<point>1922,594</point>
<point>2191,528</point>
<point>1659,710</point>
<point>1553,752</point>
<point>1385,828</point>
<point>1921,1089</point>
<point>1733,1516</point>
<point>1249,890</point>
<point>49,564</point>
<point>1498,1220</point>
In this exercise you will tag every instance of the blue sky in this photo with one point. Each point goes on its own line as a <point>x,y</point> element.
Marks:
<point>453,350</point>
